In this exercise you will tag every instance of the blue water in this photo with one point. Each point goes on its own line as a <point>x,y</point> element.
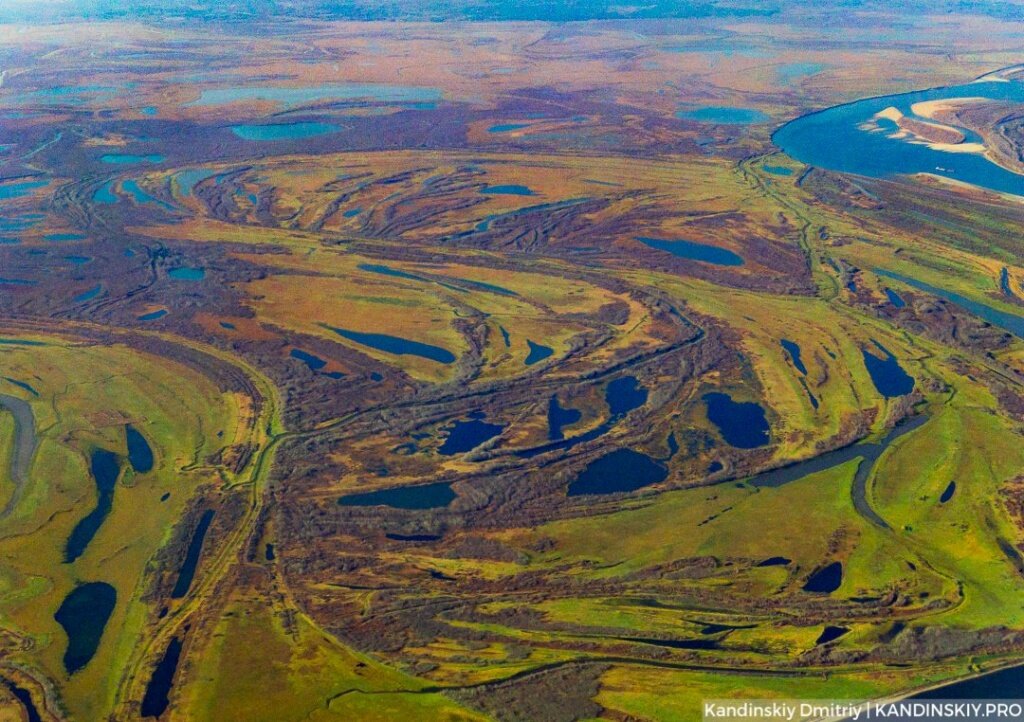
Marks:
<point>622,470</point>
<point>724,115</point>
<point>78,260</point>
<point>508,190</point>
<point>156,699</point>
<point>19,190</point>
<point>825,580</point>
<point>425,496</point>
<point>397,346</point>
<point>195,548</point>
<point>152,315</point>
<point>149,110</point>
<point>105,194</point>
<point>63,237</point>
<point>1007,321</point>
<point>537,353</point>
<point>228,325</point>
<point>314,363</point>
<point>466,435</point>
<point>742,424</point>
<point>886,373</point>
<point>185,273</point>
<point>293,96</point>
<point>558,418</point>
<point>505,337</point>
<point>352,212</point>
<point>793,349</point>
<point>105,467</point>
<point>141,197</point>
<point>22,385</point>
<point>778,170</point>
<point>793,71</point>
<point>187,179</point>
<point>84,614</point>
<point>832,139</point>
<point>507,127</point>
<point>88,295</point>
<point>140,454</point>
<point>284,131</point>
<point>694,251</point>
<point>894,298</point>
<point>128,159</point>
<point>623,395</point>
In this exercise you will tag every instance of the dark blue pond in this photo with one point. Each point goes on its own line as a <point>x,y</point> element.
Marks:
<point>623,395</point>
<point>559,417</point>
<point>894,298</point>
<point>622,470</point>
<point>156,699</point>
<point>948,493</point>
<point>22,385</point>
<point>396,345</point>
<point>25,698</point>
<point>1011,322</point>
<point>537,353</point>
<point>195,548</point>
<point>833,139</point>
<point>152,315</point>
<point>694,251</point>
<point>84,614</point>
<point>425,496</point>
<point>510,189</point>
<point>830,634</point>
<point>505,337</point>
<point>466,435</point>
<point>140,454</point>
<point>825,580</point>
<point>793,349</point>
<point>314,363</point>
<point>886,373</point>
<point>742,424</point>
<point>105,467</point>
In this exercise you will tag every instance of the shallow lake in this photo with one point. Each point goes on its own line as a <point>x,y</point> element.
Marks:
<point>425,496</point>
<point>156,699</point>
<point>694,251</point>
<point>397,346</point>
<point>723,115</point>
<point>129,159</point>
<point>284,131</point>
<point>886,373</point>
<point>622,470</point>
<point>105,467</point>
<point>84,614</point>
<point>195,548</point>
<point>140,454</point>
<point>299,95</point>
<point>187,274</point>
<point>537,353</point>
<point>742,424</point>
<point>466,435</point>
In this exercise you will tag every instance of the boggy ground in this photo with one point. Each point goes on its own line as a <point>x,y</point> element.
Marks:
<point>468,278</point>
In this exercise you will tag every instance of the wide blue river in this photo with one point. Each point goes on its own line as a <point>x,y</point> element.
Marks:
<point>833,139</point>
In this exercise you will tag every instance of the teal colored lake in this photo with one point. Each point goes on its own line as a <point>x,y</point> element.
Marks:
<point>128,159</point>
<point>88,295</point>
<point>507,127</point>
<point>63,237</point>
<point>105,194</point>
<point>508,190</point>
<point>832,139</point>
<point>292,96</point>
<point>723,115</point>
<point>184,273</point>
<point>187,179</point>
<point>694,251</point>
<point>284,131</point>
<point>790,72</point>
<point>780,170</point>
<point>141,197</point>
<point>19,190</point>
